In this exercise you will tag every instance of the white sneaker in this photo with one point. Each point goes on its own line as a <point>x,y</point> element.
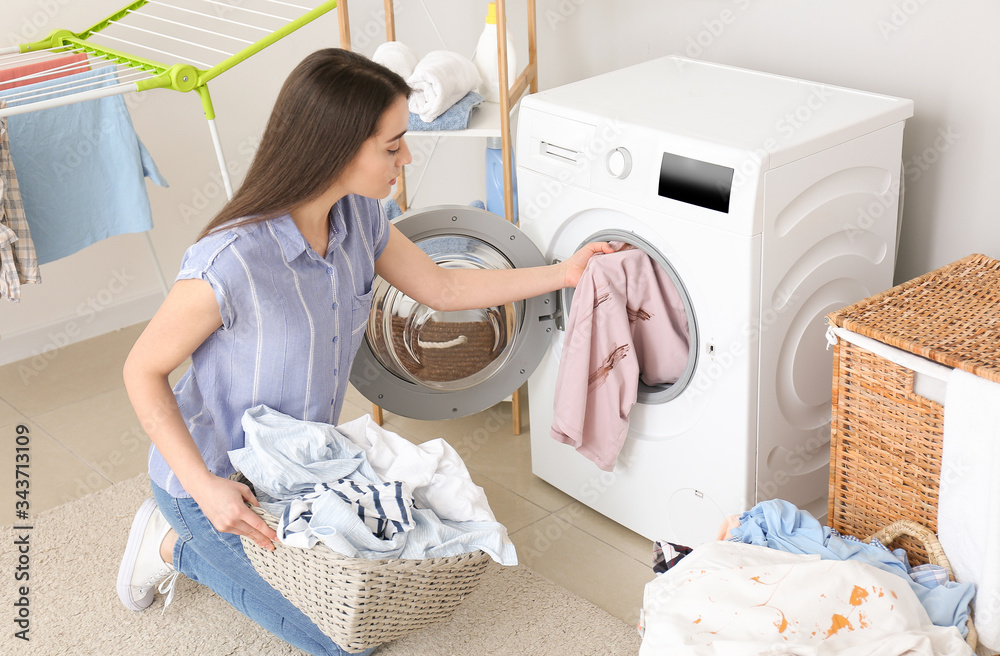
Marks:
<point>142,568</point>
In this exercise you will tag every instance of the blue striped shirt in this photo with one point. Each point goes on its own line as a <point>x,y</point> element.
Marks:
<point>291,324</point>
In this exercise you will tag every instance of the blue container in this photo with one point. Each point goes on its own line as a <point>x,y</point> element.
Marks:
<point>494,178</point>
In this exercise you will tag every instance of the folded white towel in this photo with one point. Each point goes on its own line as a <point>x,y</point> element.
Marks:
<point>969,501</point>
<point>397,57</point>
<point>440,80</point>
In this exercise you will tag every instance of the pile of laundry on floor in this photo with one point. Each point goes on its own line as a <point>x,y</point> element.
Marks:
<point>366,492</point>
<point>784,583</point>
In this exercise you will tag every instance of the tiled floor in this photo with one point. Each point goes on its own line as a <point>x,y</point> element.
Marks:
<point>84,437</point>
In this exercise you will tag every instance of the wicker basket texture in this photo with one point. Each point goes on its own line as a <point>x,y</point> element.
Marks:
<point>894,534</point>
<point>885,439</point>
<point>886,448</point>
<point>363,603</point>
<point>950,315</point>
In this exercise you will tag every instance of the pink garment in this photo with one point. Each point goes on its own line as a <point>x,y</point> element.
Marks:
<point>627,320</point>
<point>12,76</point>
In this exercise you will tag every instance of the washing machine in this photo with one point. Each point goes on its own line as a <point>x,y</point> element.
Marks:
<point>769,201</point>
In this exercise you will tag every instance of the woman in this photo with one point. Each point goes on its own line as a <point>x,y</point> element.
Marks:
<point>270,305</point>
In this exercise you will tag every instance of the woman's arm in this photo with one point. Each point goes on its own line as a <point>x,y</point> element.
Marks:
<point>414,273</point>
<point>187,317</point>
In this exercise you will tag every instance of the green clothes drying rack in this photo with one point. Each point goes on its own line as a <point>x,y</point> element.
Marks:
<point>200,29</point>
<point>163,22</point>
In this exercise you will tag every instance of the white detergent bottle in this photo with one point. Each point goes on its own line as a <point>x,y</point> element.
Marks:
<point>487,58</point>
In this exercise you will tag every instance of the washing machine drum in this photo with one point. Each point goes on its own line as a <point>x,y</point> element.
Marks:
<point>426,364</point>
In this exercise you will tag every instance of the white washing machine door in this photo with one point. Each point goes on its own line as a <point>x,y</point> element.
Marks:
<point>421,363</point>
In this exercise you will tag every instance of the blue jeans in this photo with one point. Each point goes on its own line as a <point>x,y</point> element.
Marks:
<point>217,560</point>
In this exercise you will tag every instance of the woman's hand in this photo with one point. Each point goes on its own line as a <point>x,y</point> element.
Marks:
<point>578,262</point>
<point>224,503</point>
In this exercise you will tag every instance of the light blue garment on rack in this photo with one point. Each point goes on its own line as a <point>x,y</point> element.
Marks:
<point>81,166</point>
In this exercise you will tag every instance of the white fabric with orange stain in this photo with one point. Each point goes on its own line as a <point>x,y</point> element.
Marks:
<point>732,599</point>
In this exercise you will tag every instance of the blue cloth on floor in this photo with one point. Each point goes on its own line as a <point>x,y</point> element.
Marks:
<point>81,167</point>
<point>780,525</point>
<point>455,117</point>
<point>285,458</point>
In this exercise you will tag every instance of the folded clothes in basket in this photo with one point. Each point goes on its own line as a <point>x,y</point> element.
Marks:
<point>300,469</point>
<point>780,525</point>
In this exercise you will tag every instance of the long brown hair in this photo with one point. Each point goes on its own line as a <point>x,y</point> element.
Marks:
<point>327,108</point>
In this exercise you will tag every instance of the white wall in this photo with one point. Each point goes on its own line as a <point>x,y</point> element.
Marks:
<point>939,54</point>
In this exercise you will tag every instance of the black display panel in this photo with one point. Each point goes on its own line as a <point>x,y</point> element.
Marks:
<point>695,182</point>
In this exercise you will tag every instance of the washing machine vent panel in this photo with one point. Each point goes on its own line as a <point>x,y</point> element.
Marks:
<point>830,225</point>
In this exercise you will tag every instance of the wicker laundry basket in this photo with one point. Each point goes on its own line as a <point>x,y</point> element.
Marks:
<point>910,531</point>
<point>363,603</point>
<point>886,440</point>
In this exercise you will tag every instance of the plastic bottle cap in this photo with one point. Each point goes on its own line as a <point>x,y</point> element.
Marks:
<point>495,143</point>
<point>491,14</point>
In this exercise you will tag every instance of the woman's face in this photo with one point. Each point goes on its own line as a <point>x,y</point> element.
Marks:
<point>380,161</point>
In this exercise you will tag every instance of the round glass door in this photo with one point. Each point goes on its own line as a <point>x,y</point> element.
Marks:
<point>444,351</point>
<point>423,363</point>
<point>653,394</point>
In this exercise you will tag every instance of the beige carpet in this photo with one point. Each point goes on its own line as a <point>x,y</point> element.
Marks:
<point>75,551</point>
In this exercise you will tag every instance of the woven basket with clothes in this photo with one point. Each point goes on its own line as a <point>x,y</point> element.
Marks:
<point>905,529</point>
<point>362,603</point>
